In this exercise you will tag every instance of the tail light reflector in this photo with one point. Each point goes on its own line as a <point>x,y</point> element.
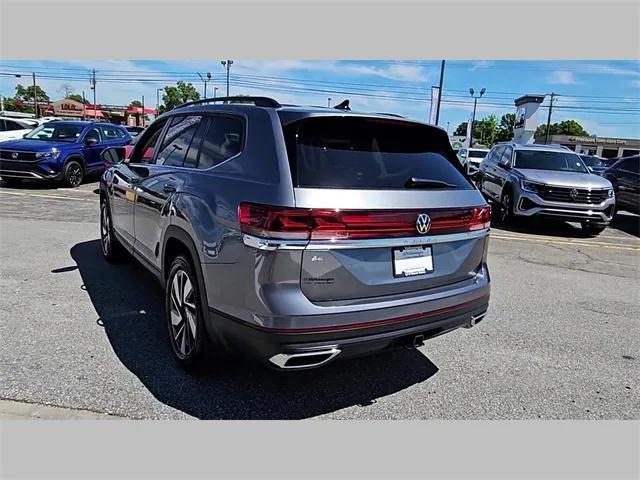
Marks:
<point>334,224</point>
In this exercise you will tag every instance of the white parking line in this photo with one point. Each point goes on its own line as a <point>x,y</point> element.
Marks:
<point>57,197</point>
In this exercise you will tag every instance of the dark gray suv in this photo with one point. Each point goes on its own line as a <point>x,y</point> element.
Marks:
<point>298,235</point>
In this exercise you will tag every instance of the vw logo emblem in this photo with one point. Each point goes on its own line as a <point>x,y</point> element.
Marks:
<point>14,155</point>
<point>423,223</point>
<point>573,194</point>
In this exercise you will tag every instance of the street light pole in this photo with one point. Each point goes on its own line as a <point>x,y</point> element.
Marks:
<point>205,82</point>
<point>35,95</point>
<point>328,102</point>
<point>142,116</point>
<point>227,64</point>
<point>215,91</point>
<point>84,107</point>
<point>473,117</point>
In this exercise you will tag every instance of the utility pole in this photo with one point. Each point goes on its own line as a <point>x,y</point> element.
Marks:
<point>328,102</point>
<point>440,92</point>
<point>448,128</point>
<point>142,117</point>
<point>546,136</point>
<point>84,107</point>
<point>93,87</point>
<point>215,91</point>
<point>35,95</point>
<point>227,64</point>
<point>473,117</point>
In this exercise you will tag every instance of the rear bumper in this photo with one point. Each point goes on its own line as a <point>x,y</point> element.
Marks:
<point>275,346</point>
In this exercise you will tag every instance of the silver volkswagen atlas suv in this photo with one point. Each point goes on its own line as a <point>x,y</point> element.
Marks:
<point>298,235</point>
<point>545,181</point>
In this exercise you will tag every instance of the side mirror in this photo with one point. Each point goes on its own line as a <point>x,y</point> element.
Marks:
<point>505,163</point>
<point>25,135</point>
<point>90,141</point>
<point>113,156</point>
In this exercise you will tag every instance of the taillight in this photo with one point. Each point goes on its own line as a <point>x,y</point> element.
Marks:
<point>335,224</point>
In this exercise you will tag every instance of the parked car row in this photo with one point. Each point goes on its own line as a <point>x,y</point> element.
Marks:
<point>60,150</point>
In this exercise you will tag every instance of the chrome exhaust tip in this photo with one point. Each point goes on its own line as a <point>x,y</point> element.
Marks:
<point>309,359</point>
<point>475,319</point>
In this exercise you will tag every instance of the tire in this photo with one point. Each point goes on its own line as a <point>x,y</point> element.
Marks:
<point>112,251</point>
<point>593,229</point>
<point>72,173</point>
<point>12,182</point>
<point>188,336</point>
<point>506,207</point>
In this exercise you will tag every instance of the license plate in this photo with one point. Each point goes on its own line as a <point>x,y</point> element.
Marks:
<point>409,261</point>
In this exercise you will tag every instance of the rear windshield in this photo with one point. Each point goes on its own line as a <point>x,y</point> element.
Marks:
<point>367,153</point>
<point>477,154</point>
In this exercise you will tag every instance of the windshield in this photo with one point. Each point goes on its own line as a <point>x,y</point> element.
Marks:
<point>559,161</point>
<point>477,153</point>
<point>591,161</point>
<point>60,132</point>
<point>338,152</point>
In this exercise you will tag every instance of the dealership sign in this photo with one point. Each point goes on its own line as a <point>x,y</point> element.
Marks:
<point>614,141</point>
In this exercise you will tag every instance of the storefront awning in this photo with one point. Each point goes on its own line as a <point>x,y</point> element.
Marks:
<point>138,110</point>
<point>91,113</point>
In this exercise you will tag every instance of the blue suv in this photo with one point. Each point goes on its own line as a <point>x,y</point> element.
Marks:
<point>60,150</point>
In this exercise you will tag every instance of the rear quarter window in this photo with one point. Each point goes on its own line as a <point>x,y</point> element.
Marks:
<point>366,153</point>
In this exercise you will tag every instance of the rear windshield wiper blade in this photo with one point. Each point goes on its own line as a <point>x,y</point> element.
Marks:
<point>414,182</point>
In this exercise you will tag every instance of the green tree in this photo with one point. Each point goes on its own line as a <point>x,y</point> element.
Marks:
<point>174,96</point>
<point>77,97</point>
<point>566,127</point>
<point>135,103</point>
<point>26,93</point>
<point>485,130</point>
<point>505,128</point>
<point>462,129</point>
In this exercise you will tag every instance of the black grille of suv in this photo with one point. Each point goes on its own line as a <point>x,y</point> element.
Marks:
<point>571,195</point>
<point>23,156</point>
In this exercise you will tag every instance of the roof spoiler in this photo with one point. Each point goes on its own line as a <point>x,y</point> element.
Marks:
<point>257,101</point>
<point>344,105</point>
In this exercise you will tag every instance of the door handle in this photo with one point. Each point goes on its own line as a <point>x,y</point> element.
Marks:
<point>169,188</point>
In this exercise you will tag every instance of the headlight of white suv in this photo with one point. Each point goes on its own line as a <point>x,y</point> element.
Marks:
<point>610,193</point>
<point>529,186</point>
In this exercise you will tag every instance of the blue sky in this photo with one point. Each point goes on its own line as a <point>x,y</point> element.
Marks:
<point>602,95</point>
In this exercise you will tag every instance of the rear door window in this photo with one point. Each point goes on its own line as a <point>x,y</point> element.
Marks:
<point>177,140</point>
<point>366,153</point>
<point>222,141</point>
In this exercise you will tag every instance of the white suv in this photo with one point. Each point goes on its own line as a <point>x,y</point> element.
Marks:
<point>470,158</point>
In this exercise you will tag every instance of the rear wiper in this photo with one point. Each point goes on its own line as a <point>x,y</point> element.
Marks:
<point>414,182</point>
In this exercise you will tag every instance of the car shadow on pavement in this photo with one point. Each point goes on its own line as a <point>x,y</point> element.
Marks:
<point>626,222</point>
<point>130,305</point>
<point>542,226</point>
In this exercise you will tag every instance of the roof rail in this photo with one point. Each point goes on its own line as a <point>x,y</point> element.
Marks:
<point>390,114</point>
<point>257,101</point>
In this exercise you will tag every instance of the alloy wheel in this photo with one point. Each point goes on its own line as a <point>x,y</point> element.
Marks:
<point>74,174</point>
<point>105,229</point>
<point>183,313</point>
<point>505,208</point>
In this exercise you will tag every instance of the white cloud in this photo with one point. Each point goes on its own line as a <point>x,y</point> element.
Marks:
<point>480,65</point>
<point>562,77</point>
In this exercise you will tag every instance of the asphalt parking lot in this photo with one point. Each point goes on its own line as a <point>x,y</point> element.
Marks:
<point>561,341</point>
